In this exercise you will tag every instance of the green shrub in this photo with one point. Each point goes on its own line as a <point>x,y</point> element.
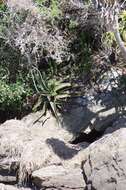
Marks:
<point>2,7</point>
<point>73,24</point>
<point>50,9</point>
<point>12,95</point>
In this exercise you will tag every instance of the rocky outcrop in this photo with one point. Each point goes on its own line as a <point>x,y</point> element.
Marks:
<point>35,155</point>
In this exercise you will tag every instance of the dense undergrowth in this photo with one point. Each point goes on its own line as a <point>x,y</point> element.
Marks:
<point>47,51</point>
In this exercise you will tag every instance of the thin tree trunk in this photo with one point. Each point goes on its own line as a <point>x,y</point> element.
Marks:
<point>119,39</point>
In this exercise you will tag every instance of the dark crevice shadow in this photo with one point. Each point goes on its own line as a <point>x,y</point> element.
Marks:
<point>61,149</point>
<point>89,138</point>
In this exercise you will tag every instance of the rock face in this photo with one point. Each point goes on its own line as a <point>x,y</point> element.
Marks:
<point>41,157</point>
<point>105,165</point>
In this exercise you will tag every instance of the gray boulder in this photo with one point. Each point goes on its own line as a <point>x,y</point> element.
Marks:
<point>104,166</point>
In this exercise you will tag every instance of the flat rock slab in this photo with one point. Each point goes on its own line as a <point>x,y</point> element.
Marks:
<point>8,179</point>
<point>11,187</point>
<point>58,177</point>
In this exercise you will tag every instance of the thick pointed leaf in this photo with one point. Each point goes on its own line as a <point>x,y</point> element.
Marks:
<point>62,96</point>
<point>62,85</point>
<point>38,103</point>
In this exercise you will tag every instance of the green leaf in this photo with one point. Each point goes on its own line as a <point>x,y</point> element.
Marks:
<point>62,96</point>
<point>62,85</point>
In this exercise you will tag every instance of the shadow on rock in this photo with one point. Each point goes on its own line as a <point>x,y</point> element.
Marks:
<point>61,149</point>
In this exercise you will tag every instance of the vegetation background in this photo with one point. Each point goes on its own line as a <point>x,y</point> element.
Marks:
<point>52,51</point>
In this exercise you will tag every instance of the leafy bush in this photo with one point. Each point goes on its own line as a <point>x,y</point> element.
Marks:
<point>13,95</point>
<point>2,6</point>
<point>49,8</point>
<point>32,31</point>
<point>73,24</point>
